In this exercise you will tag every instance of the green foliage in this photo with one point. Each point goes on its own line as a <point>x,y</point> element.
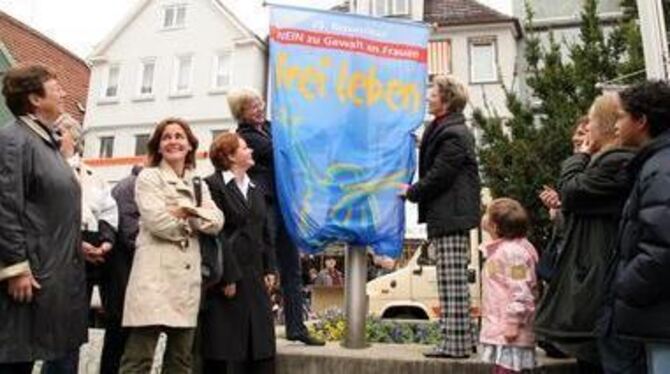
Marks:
<point>520,154</point>
<point>627,39</point>
<point>332,327</point>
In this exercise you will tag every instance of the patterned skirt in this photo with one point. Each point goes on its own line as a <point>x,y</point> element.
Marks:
<point>509,357</point>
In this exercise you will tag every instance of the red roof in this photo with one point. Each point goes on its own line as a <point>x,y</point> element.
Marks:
<point>462,12</point>
<point>26,45</point>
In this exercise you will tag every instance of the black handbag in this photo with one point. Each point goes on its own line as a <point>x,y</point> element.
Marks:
<point>211,250</point>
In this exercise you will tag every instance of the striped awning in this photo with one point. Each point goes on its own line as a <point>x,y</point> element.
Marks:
<point>439,57</point>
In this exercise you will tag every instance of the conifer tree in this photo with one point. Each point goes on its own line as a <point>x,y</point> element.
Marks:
<point>520,154</point>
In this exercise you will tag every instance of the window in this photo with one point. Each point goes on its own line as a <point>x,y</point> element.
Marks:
<point>362,7</point>
<point>141,141</point>
<point>483,65</point>
<point>384,8</point>
<point>182,74</point>
<point>180,20</point>
<point>439,57</point>
<point>174,16</point>
<point>146,81</point>
<point>400,7</point>
<point>111,89</point>
<point>168,17</point>
<point>222,69</point>
<point>379,8</point>
<point>106,146</point>
<point>218,132</point>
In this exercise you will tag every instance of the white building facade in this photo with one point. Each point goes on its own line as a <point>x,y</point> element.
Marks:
<point>469,40</point>
<point>167,58</point>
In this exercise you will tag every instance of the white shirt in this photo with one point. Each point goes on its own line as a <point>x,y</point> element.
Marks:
<point>97,202</point>
<point>243,186</point>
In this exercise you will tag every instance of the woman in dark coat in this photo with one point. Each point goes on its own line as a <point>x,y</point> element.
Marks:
<point>237,324</point>
<point>593,186</point>
<point>248,109</point>
<point>448,196</point>
<point>43,308</point>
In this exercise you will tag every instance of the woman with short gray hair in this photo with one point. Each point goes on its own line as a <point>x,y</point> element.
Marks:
<point>448,196</point>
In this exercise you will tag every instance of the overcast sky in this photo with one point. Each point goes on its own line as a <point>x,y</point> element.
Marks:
<point>80,24</point>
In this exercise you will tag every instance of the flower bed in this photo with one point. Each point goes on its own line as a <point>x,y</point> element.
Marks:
<point>331,326</point>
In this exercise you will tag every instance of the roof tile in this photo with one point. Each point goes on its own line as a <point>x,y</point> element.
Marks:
<point>461,12</point>
<point>26,45</point>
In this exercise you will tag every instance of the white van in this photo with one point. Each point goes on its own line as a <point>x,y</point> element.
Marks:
<point>411,291</point>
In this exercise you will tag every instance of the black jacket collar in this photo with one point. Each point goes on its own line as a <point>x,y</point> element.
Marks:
<point>452,119</point>
<point>437,126</point>
<point>232,188</point>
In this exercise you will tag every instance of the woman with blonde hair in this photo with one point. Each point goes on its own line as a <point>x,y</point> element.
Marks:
<point>163,294</point>
<point>593,187</point>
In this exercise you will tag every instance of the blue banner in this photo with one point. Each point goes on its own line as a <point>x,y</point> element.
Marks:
<point>346,93</point>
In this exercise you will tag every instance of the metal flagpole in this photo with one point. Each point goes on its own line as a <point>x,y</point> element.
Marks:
<point>356,302</point>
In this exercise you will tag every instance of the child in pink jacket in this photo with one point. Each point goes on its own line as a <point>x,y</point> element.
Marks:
<point>509,289</point>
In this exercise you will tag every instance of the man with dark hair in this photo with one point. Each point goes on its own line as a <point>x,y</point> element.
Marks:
<point>637,314</point>
<point>42,275</point>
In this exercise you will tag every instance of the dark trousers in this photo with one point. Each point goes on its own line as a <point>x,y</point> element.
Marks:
<point>112,292</point>
<point>138,356</point>
<point>66,365</point>
<point>288,259</point>
<point>16,368</point>
<point>113,346</point>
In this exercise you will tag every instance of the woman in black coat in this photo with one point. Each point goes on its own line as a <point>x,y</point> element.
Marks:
<point>248,109</point>
<point>594,185</point>
<point>238,331</point>
<point>43,308</point>
<point>448,195</point>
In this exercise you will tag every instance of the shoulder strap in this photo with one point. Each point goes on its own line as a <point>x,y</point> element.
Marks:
<point>197,188</point>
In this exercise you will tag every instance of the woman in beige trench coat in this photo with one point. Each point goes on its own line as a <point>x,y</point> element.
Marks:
<point>163,293</point>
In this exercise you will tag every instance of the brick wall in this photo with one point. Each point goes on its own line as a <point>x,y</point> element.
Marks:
<point>29,46</point>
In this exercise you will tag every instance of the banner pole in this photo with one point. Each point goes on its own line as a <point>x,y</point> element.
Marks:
<point>356,303</point>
